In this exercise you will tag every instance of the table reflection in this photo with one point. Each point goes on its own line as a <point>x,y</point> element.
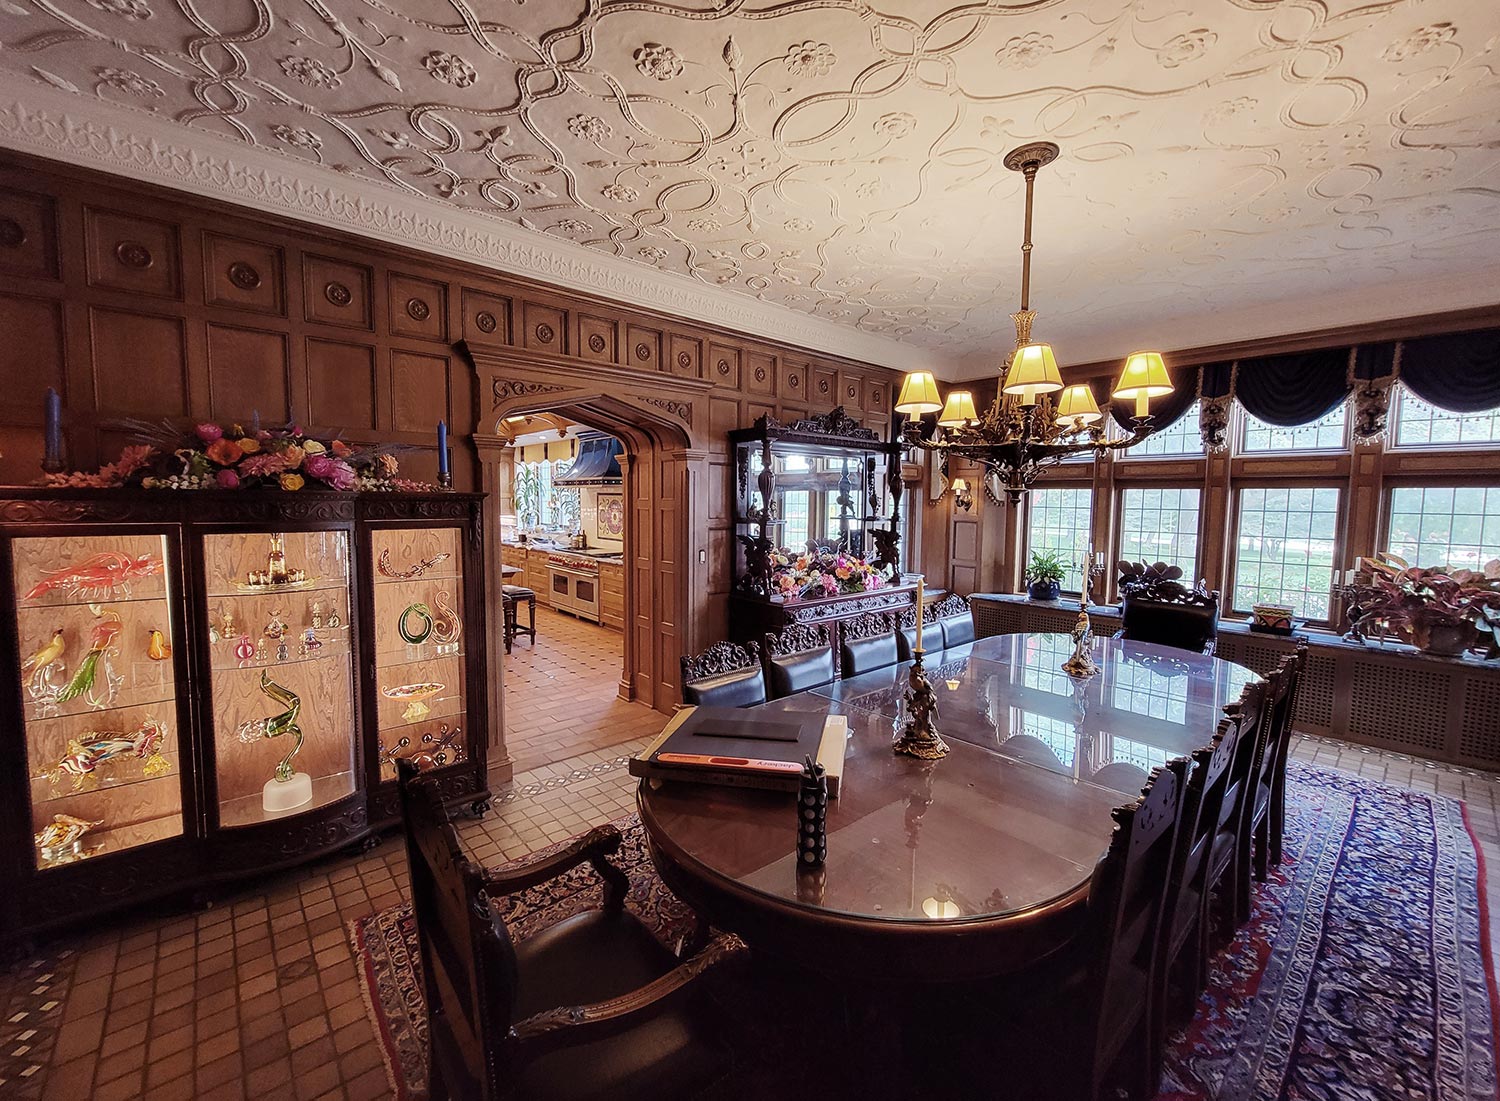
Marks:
<point>1007,693</point>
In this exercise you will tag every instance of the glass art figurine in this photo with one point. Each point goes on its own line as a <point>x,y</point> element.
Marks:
<point>383,564</point>
<point>44,664</point>
<point>157,646</point>
<point>61,841</point>
<point>96,747</point>
<point>99,577</point>
<point>101,648</point>
<point>447,627</point>
<point>286,789</point>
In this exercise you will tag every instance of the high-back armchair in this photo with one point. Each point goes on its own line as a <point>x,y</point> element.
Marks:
<point>727,674</point>
<point>869,642</point>
<point>1158,607</point>
<point>798,657</point>
<point>591,1007</point>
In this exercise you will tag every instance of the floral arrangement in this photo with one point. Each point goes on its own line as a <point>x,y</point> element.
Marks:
<point>1443,610</point>
<point>216,456</point>
<point>803,575</point>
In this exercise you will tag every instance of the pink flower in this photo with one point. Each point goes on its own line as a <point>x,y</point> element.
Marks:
<point>208,433</point>
<point>340,475</point>
<point>258,466</point>
<point>228,479</point>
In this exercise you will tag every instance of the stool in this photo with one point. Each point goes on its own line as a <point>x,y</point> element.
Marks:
<point>510,597</point>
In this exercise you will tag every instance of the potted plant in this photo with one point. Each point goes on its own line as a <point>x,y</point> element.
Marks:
<point>1044,575</point>
<point>1440,611</point>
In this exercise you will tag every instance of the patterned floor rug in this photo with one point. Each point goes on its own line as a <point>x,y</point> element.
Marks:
<point>1364,973</point>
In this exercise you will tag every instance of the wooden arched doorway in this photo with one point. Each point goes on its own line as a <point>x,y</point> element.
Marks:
<point>657,419</point>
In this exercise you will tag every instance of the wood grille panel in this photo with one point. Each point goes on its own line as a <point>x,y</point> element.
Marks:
<point>1315,694</point>
<point>1392,707</point>
<point>1479,732</point>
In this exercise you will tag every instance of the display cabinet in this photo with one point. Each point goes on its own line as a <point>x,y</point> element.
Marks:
<point>206,685</point>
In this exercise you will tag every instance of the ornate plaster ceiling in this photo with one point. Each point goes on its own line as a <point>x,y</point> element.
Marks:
<point>1228,170</point>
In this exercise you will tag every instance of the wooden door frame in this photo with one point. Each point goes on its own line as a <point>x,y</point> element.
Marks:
<point>659,420</point>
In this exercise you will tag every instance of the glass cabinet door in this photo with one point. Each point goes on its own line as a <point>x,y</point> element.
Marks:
<point>282,672</point>
<point>420,646</point>
<point>99,691</point>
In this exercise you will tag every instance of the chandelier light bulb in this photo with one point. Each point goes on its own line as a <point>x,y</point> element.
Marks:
<point>1144,377</point>
<point>1033,371</point>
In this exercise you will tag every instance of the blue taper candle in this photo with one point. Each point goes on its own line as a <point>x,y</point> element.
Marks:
<point>442,447</point>
<point>53,413</point>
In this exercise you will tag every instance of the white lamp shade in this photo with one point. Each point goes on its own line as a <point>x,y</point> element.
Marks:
<point>958,410</point>
<point>1077,404</point>
<point>1033,370</point>
<point>1144,376</point>
<point>919,394</point>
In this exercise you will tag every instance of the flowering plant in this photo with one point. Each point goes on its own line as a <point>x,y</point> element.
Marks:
<point>214,456</point>
<point>804,575</point>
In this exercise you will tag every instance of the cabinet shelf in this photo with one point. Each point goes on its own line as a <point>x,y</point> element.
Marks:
<point>395,659</point>
<point>107,842</point>
<point>251,665</point>
<point>68,712</point>
<point>43,603</point>
<point>322,585</point>
<point>426,578</point>
<point>44,793</point>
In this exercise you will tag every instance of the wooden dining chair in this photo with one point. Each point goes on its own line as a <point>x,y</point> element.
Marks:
<point>727,674</point>
<point>797,658</point>
<point>591,1007</point>
<point>1227,879</point>
<point>954,620</point>
<point>1082,1020</point>
<point>868,642</point>
<point>1185,946</point>
<point>1268,811</point>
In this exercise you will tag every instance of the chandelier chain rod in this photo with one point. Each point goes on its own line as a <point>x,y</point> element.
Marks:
<point>1030,172</point>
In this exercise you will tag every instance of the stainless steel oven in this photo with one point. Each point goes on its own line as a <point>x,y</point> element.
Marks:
<point>573,584</point>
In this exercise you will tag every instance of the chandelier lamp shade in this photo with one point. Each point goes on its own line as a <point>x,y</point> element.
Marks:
<point>1036,420</point>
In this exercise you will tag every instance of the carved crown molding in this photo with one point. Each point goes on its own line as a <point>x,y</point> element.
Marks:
<point>138,144</point>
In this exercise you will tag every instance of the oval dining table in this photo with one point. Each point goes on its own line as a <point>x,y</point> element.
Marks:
<point>939,871</point>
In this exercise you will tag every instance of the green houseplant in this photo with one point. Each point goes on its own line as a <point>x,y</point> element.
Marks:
<point>1044,575</point>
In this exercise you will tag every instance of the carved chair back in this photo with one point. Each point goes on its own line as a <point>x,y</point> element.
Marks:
<point>869,642</point>
<point>906,630</point>
<point>1187,625</point>
<point>1248,712</point>
<point>727,674</point>
<point>797,658</point>
<point>468,959</point>
<point>1130,892</point>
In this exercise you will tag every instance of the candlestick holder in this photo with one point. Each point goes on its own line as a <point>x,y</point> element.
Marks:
<point>1081,663</point>
<point>919,736</point>
<point>445,480</point>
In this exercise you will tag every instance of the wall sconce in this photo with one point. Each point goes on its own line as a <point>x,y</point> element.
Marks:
<point>963,497</point>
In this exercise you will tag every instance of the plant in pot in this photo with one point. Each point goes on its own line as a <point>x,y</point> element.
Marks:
<point>1440,611</point>
<point>1044,575</point>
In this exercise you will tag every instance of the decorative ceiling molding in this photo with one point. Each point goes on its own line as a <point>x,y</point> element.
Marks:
<point>38,120</point>
<point>830,173</point>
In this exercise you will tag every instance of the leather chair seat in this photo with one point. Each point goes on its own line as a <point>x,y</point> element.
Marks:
<point>793,673</point>
<point>592,957</point>
<point>518,592</point>
<point>866,654</point>
<point>737,688</point>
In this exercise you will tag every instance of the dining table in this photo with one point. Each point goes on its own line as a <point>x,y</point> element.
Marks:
<point>972,865</point>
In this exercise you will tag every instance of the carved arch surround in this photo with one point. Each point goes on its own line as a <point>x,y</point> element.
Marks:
<point>657,419</point>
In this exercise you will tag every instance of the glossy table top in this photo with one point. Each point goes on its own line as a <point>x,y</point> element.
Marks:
<point>1012,820</point>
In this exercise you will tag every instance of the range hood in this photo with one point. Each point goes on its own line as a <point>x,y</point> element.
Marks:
<point>598,463</point>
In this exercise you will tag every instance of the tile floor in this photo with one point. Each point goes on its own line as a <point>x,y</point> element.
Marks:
<point>562,696</point>
<point>257,997</point>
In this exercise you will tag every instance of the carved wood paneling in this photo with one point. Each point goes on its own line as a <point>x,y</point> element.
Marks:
<point>243,275</point>
<point>28,234</point>
<point>248,369</point>
<point>723,366</point>
<point>139,363</point>
<point>341,386</point>
<point>130,253</point>
<point>643,348</point>
<point>685,356</point>
<point>417,307</point>
<point>545,328</point>
<point>335,292</point>
<point>486,317</point>
<point>419,391</point>
<point>598,338</point>
<point>760,374</point>
<point>31,353</point>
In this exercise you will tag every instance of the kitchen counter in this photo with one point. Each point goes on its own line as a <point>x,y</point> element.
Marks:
<point>531,559</point>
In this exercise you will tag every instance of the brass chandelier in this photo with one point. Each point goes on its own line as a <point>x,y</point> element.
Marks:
<point>1023,431</point>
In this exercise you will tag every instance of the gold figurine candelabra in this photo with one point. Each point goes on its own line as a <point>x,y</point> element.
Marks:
<point>919,735</point>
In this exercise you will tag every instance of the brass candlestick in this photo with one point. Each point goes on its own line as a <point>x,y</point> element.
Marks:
<point>919,736</point>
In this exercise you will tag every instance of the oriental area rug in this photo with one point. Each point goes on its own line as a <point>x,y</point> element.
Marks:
<point>1364,972</point>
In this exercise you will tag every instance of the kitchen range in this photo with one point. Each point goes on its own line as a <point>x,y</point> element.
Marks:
<point>573,581</point>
